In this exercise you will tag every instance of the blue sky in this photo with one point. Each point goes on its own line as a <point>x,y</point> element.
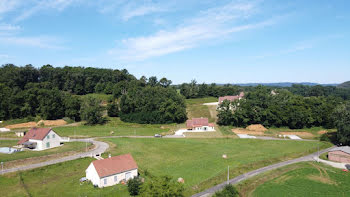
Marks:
<point>218,41</point>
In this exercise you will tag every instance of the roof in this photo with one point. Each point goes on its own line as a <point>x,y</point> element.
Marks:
<point>345,149</point>
<point>231,98</point>
<point>35,134</point>
<point>197,122</point>
<point>114,165</point>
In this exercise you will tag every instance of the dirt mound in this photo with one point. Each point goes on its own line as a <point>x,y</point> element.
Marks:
<point>58,122</point>
<point>301,134</point>
<point>256,127</point>
<point>322,132</point>
<point>21,125</point>
<point>244,131</point>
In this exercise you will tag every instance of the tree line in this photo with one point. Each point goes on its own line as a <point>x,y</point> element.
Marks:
<point>279,109</point>
<point>53,93</point>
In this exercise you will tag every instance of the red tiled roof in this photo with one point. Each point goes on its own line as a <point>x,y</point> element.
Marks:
<point>197,122</point>
<point>114,165</point>
<point>231,98</point>
<point>211,124</point>
<point>35,134</point>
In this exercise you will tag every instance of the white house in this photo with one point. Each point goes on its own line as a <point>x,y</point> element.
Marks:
<point>199,124</point>
<point>111,171</point>
<point>40,139</point>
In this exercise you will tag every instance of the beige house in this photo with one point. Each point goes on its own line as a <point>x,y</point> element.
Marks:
<point>40,139</point>
<point>111,171</point>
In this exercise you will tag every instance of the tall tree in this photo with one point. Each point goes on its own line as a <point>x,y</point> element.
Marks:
<point>91,111</point>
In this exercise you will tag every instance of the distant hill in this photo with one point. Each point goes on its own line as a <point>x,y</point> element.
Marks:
<point>283,84</point>
<point>344,85</point>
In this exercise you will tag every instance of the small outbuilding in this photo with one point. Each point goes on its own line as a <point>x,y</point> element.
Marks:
<point>340,154</point>
<point>111,171</point>
<point>40,139</point>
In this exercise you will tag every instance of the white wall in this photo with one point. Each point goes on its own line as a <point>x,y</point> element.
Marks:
<point>54,141</point>
<point>91,174</point>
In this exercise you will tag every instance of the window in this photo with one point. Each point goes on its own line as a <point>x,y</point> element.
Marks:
<point>47,144</point>
<point>48,137</point>
<point>53,135</point>
<point>115,178</point>
<point>105,181</point>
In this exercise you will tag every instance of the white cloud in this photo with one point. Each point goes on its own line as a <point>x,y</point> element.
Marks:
<point>37,6</point>
<point>8,5</point>
<point>140,11</point>
<point>213,23</point>
<point>45,42</point>
<point>9,27</point>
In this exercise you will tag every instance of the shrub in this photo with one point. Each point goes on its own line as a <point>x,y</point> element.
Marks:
<point>134,186</point>
<point>228,191</point>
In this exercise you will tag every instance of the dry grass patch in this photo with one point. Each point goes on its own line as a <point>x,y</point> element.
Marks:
<point>322,132</point>
<point>245,131</point>
<point>21,125</point>
<point>58,122</point>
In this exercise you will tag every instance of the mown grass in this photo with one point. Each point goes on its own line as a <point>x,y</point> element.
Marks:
<point>68,146</point>
<point>199,161</point>
<point>114,127</point>
<point>313,130</point>
<point>196,109</point>
<point>302,179</point>
<point>55,180</point>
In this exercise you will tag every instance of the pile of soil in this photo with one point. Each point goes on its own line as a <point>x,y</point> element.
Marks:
<point>58,122</point>
<point>322,132</point>
<point>256,127</point>
<point>245,131</point>
<point>301,134</point>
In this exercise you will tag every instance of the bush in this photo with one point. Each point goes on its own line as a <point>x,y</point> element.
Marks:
<point>163,186</point>
<point>134,186</point>
<point>112,110</point>
<point>228,191</point>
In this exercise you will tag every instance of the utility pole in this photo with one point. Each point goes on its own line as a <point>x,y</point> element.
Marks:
<point>228,175</point>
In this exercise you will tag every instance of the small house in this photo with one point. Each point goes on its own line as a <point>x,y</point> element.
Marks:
<point>40,139</point>
<point>111,171</point>
<point>231,98</point>
<point>340,154</point>
<point>199,124</point>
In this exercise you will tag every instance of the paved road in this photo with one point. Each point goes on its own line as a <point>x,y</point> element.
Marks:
<point>100,147</point>
<point>250,174</point>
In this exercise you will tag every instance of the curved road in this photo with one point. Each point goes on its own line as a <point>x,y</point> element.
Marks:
<point>250,174</point>
<point>100,147</point>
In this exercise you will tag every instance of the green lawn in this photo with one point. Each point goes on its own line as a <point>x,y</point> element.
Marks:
<point>119,128</point>
<point>302,179</point>
<point>56,180</point>
<point>199,161</point>
<point>68,146</point>
<point>196,109</point>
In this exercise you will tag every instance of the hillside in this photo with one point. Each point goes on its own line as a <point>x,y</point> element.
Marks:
<point>345,85</point>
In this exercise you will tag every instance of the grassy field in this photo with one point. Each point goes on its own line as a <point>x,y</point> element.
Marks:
<point>302,179</point>
<point>118,127</point>
<point>68,146</point>
<point>196,109</point>
<point>56,180</point>
<point>313,130</point>
<point>199,161</point>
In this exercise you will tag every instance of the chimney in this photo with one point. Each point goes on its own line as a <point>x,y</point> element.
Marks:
<point>109,155</point>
